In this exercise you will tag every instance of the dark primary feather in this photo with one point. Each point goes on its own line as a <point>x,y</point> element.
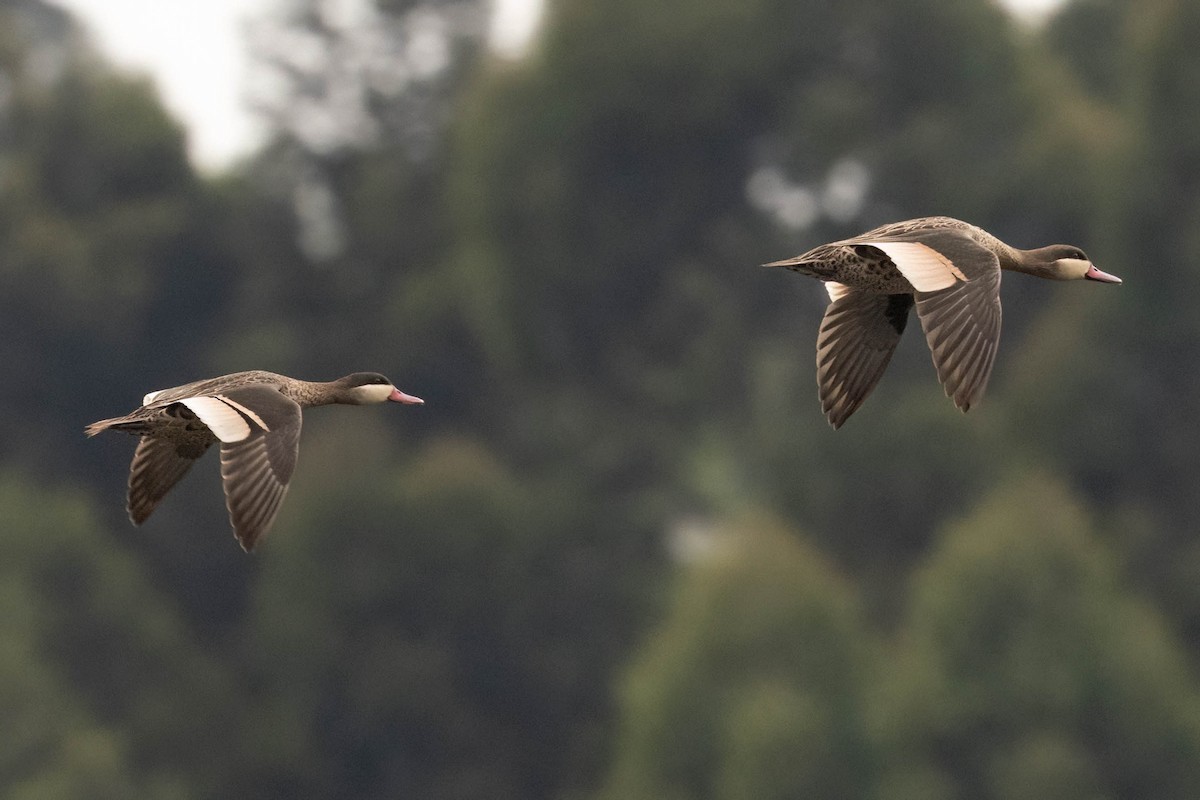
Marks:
<point>256,470</point>
<point>962,327</point>
<point>158,464</point>
<point>858,336</point>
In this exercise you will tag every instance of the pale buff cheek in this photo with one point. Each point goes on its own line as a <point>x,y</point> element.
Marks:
<point>373,393</point>
<point>1072,268</point>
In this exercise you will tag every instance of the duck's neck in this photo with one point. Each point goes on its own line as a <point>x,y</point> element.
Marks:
<point>1032,262</point>
<point>317,393</point>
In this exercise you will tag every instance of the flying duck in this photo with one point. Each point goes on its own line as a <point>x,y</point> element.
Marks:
<point>256,418</point>
<point>950,270</point>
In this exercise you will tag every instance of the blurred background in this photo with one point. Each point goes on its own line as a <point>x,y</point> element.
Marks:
<point>619,554</point>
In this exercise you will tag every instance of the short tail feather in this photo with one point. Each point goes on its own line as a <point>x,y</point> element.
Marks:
<point>105,424</point>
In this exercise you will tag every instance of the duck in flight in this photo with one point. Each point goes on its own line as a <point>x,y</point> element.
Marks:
<point>256,418</point>
<point>950,270</point>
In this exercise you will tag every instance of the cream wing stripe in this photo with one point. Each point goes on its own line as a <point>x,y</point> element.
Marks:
<point>255,418</point>
<point>836,290</point>
<point>925,268</point>
<point>225,423</point>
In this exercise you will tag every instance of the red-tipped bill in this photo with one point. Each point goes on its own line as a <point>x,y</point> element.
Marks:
<point>398,396</point>
<point>1094,274</point>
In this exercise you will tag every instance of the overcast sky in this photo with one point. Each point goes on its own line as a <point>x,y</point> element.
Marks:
<point>194,49</point>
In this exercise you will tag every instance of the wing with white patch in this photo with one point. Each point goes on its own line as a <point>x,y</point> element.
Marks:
<point>256,470</point>
<point>962,326</point>
<point>225,421</point>
<point>250,414</point>
<point>925,268</point>
<point>859,333</point>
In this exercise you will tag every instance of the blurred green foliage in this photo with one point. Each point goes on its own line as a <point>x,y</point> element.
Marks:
<point>619,554</point>
<point>756,684</point>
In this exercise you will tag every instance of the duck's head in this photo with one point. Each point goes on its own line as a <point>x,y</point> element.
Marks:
<point>367,388</point>
<point>1066,262</point>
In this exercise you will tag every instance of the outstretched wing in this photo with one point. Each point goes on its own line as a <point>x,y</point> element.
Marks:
<point>858,336</point>
<point>256,467</point>
<point>962,326</point>
<point>959,311</point>
<point>158,464</point>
